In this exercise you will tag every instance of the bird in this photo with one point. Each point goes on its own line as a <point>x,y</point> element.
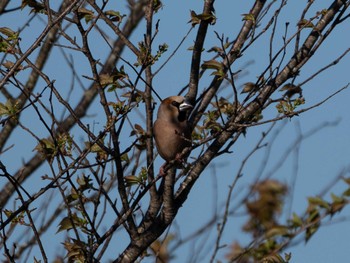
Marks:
<point>172,130</point>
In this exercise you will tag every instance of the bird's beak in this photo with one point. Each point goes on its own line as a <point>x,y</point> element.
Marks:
<point>184,106</point>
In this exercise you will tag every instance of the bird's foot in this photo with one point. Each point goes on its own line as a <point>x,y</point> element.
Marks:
<point>162,172</point>
<point>180,161</point>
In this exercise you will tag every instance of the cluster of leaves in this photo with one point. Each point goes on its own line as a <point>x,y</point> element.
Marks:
<point>89,15</point>
<point>288,107</point>
<point>115,80</point>
<point>269,195</point>
<point>19,219</point>
<point>36,6</point>
<point>49,148</point>
<point>198,18</point>
<point>157,4</point>
<point>264,210</point>
<point>77,199</point>
<point>217,67</point>
<point>96,148</point>
<point>76,250</point>
<point>9,109</point>
<point>248,17</point>
<point>145,58</point>
<point>222,111</point>
<point>139,179</point>
<point>118,80</point>
<point>133,98</point>
<point>318,208</point>
<point>8,40</point>
<point>141,136</point>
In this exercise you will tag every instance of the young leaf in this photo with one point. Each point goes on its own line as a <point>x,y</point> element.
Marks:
<point>115,16</point>
<point>196,19</point>
<point>86,14</point>
<point>296,221</point>
<point>131,180</point>
<point>248,17</point>
<point>304,23</point>
<point>8,32</point>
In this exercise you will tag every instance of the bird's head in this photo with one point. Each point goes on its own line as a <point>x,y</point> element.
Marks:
<point>174,108</point>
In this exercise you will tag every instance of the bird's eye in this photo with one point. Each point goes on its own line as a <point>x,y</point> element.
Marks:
<point>175,103</point>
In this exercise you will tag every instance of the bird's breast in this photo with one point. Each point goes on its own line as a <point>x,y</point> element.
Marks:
<point>171,139</point>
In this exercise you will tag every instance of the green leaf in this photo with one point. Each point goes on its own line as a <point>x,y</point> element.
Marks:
<point>143,174</point>
<point>346,180</point>
<point>84,183</point>
<point>318,201</point>
<point>47,149</point>
<point>337,204</point>
<point>287,256</point>
<point>68,223</point>
<point>4,110</point>
<point>125,158</point>
<point>304,23</point>
<point>277,231</point>
<point>19,219</point>
<point>9,64</point>
<point>131,180</point>
<point>296,221</point>
<point>216,65</point>
<point>298,102</point>
<point>215,49</point>
<point>248,17</point>
<point>94,147</point>
<point>273,258</point>
<point>310,231</point>
<point>9,41</point>
<point>86,14</point>
<point>35,5</point>
<point>72,197</point>
<point>337,207</point>
<point>314,216</point>
<point>145,58</point>
<point>8,32</point>
<point>106,79</point>
<point>157,4</point>
<point>212,64</point>
<point>192,48</point>
<point>76,251</point>
<point>65,144</point>
<point>115,16</point>
<point>336,198</point>
<point>346,192</point>
<point>65,224</point>
<point>197,19</point>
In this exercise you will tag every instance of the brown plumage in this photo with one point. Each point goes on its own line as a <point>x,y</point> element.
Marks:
<point>172,132</point>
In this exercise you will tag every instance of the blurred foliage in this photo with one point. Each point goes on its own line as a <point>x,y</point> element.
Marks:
<point>264,223</point>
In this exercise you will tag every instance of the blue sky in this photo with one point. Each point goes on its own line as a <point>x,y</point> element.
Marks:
<point>321,157</point>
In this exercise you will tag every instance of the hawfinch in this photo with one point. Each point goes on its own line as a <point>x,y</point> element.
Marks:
<point>172,131</point>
